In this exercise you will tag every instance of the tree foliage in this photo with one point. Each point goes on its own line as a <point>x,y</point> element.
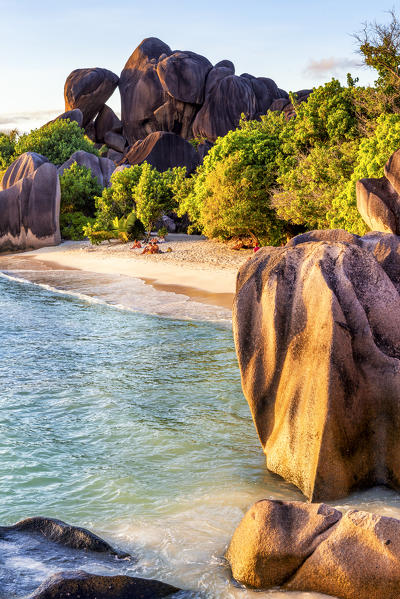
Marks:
<point>78,190</point>
<point>57,141</point>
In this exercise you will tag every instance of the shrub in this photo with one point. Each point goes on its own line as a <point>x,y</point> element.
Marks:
<point>7,149</point>
<point>153,195</point>
<point>78,190</point>
<point>117,201</point>
<point>230,194</point>
<point>372,155</point>
<point>57,141</point>
<point>72,225</point>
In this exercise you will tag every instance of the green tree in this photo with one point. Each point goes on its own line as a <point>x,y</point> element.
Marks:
<point>57,141</point>
<point>7,148</point>
<point>78,190</point>
<point>153,195</point>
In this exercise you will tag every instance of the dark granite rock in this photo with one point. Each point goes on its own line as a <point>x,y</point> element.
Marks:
<point>102,168</point>
<point>183,76</point>
<point>89,90</point>
<point>23,166</point>
<point>29,211</point>
<point>163,151</point>
<point>57,531</point>
<point>115,156</point>
<point>115,141</point>
<point>226,100</point>
<point>106,121</point>
<point>80,584</point>
<point>74,115</point>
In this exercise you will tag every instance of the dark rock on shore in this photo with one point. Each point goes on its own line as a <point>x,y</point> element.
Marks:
<point>163,151</point>
<point>91,586</point>
<point>57,531</point>
<point>314,548</point>
<point>23,166</point>
<point>102,168</point>
<point>317,333</point>
<point>29,210</point>
<point>89,90</point>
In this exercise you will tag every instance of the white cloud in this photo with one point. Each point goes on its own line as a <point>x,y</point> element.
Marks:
<point>331,66</point>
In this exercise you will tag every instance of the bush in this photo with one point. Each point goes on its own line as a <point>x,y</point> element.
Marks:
<point>372,155</point>
<point>117,201</point>
<point>7,149</point>
<point>230,194</point>
<point>78,190</point>
<point>72,225</point>
<point>57,141</point>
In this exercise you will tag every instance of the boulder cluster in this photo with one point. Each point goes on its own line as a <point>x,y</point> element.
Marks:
<point>315,548</point>
<point>317,333</point>
<point>167,98</point>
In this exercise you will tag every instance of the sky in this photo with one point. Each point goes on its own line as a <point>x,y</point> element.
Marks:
<point>299,44</point>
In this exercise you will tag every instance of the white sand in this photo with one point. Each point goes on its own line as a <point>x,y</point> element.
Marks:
<point>202,269</point>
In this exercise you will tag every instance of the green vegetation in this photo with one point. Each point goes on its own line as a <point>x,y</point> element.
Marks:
<point>57,141</point>
<point>72,225</point>
<point>7,149</point>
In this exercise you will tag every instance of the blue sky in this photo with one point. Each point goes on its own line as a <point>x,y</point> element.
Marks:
<point>298,44</point>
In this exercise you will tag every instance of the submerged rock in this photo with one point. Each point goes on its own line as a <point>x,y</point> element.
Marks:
<point>317,333</point>
<point>314,548</point>
<point>92,586</point>
<point>29,209</point>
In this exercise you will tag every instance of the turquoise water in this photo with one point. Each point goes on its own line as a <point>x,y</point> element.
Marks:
<point>134,426</point>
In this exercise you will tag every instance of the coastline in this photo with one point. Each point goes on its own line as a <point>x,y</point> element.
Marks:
<point>203,270</point>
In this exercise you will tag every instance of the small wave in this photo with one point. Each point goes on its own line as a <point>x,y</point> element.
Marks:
<point>121,293</point>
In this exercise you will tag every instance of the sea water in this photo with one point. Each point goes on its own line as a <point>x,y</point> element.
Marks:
<point>131,424</point>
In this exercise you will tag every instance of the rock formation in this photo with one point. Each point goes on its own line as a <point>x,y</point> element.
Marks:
<point>102,168</point>
<point>284,104</point>
<point>92,586</point>
<point>29,209</point>
<point>73,115</point>
<point>378,200</point>
<point>163,151</point>
<point>23,166</point>
<point>317,333</point>
<point>89,90</point>
<point>314,548</point>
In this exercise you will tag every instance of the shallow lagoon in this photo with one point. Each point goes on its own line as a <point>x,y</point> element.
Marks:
<point>132,425</point>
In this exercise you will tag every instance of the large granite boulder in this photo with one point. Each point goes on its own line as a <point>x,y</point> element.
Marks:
<point>23,166</point>
<point>89,90</point>
<point>105,122</point>
<point>29,211</point>
<point>65,585</point>
<point>317,333</point>
<point>314,548</point>
<point>163,151</point>
<point>74,115</point>
<point>183,76</point>
<point>102,168</point>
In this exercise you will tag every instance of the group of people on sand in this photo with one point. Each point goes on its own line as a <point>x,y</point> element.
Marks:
<point>151,247</point>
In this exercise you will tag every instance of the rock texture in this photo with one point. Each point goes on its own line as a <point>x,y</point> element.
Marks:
<point>25,165</point>
<point>317,333</point>
<point>29,210</point>
<point>89,90</point>
<point>314,548</point>
<point>181,92</point>
<point>65,585</point>
<point>284,104</point>
<point>73,115</point>
<point>102,168</point>
<point>163,151</point>
<point>378,200</point>
<point>57,531</point>
<point>106,121</point>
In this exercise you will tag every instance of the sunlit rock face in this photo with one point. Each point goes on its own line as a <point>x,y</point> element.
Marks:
<point>29,210</point>
<point>317,333</point>
<point>378,200</point>
<point>163,151</point>
<point>315,548</point>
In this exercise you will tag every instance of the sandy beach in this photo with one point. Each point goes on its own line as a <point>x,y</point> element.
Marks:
<point>203,270</point>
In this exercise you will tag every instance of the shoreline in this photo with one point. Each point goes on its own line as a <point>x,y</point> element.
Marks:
<point>202,270</point>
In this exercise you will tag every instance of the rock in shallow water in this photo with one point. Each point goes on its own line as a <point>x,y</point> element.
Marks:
<point>314,548</point>
<point>317,333</point>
